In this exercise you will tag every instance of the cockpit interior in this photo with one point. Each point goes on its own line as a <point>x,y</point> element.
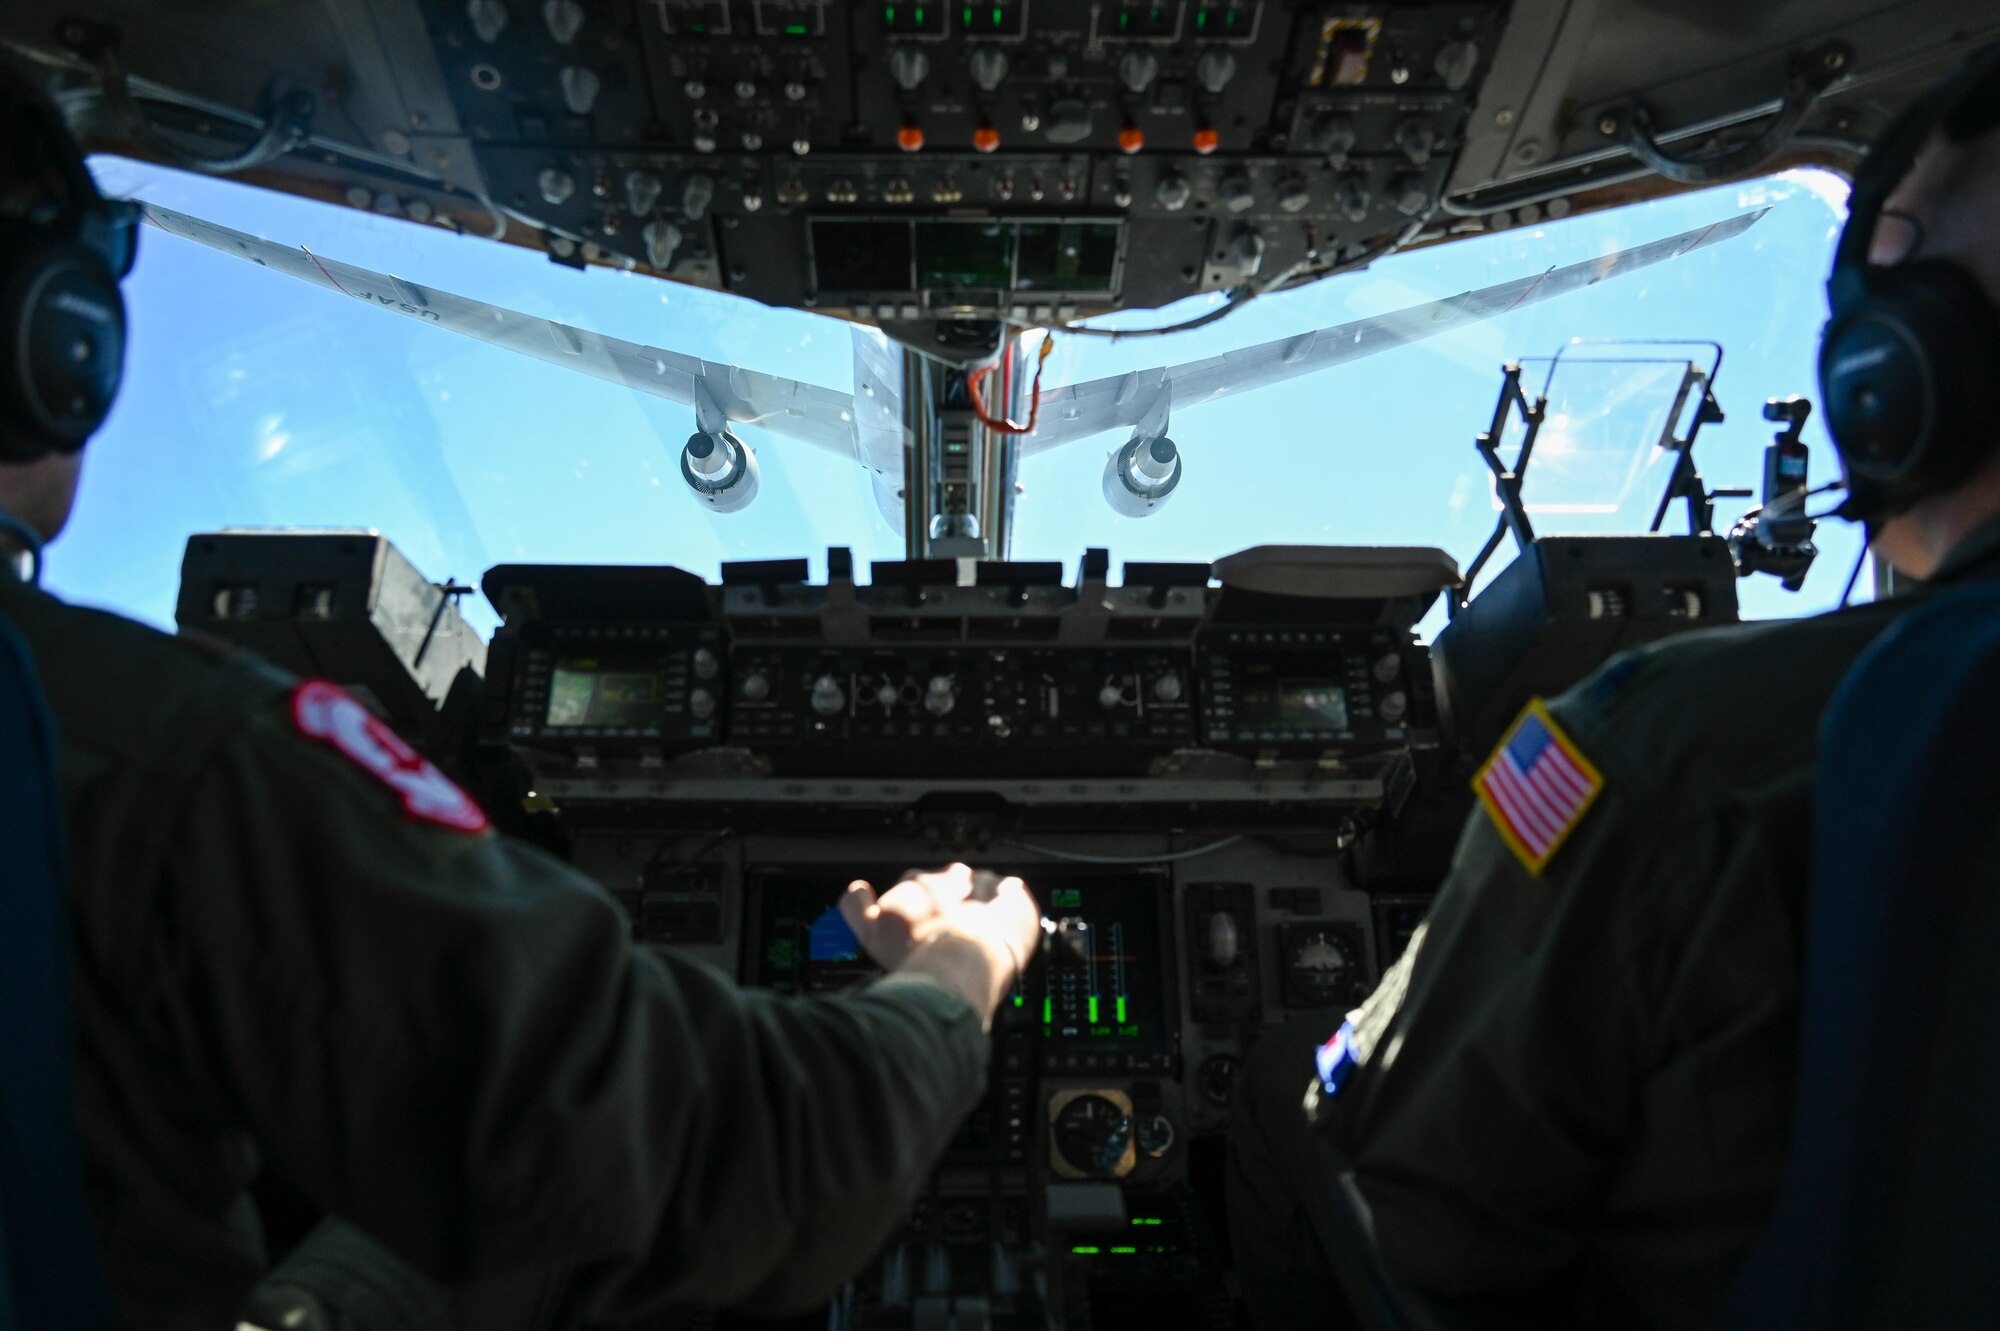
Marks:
<point>753,444</point>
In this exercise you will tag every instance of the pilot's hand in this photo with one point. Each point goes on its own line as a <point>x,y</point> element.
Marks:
<point>951,926</point>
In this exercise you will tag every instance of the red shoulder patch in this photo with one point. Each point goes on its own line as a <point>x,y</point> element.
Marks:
<point>328,713</point>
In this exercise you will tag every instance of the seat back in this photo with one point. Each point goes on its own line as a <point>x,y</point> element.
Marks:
<point>1885,1216</point>
<point>51,1274</point>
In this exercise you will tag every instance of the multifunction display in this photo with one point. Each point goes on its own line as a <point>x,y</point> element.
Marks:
<point>619,691</point>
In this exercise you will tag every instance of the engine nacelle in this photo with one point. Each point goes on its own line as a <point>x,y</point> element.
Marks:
<point>721,470</point>
<point>1139,476</point>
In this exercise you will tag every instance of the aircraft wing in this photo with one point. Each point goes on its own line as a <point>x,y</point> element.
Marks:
<point>1078,410</point>
<point>787,408</point>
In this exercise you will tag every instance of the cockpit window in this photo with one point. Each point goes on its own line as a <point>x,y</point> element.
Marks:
<point>253,400</point>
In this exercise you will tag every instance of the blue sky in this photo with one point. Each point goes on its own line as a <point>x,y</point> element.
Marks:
<point>254,400</point>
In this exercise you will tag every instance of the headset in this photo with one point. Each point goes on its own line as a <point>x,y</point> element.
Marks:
<point>63,249</point>
<point>1909,362</point>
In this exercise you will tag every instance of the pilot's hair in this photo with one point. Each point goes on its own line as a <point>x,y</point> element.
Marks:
<point>38,154</point>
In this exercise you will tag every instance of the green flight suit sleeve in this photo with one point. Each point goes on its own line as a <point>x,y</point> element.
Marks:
<point>450,1040</point>
<point>1554,1106</point>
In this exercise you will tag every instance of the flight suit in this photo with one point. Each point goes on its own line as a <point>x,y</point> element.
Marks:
<point>1574,1089</point>
<point>296,954</point>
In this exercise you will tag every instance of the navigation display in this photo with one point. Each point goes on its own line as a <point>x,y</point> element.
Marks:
<point>1098,986</point>
<point>596,691</point>
<point>1312,704</point>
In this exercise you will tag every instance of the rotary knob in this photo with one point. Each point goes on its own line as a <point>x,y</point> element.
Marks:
<point>1238,195</point>
<point>1137,69</point>
<point>580,86</point>
<point>705,664</point>
<point>1417,139</point>
<point>939,698</point>
<point>701,704</point>
<point>1216,1078</point>
<point>1388,665</point>
<point>828,697</point>
<point>1353,200</point>
<point>697,192</point>
<point>1168,688</point>
<point>642,191</point>
<point>1393,707</point>
<point>1294,195</point>
<point>489,18</point>
<point>556,185</point>
<point>1214,70</point>
<point>886,695</point>
<point>1172,192</point>
<point>662,239</point>
<point>1334,136</point>
<point>909,66</point>
<point>756,686</point>
<point>987,65</point>
<point>564,19</point>
<point>1114,694</point>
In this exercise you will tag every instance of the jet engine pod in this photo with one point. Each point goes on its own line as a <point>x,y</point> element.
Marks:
<point>721,470</point>
<point>1139,476</point>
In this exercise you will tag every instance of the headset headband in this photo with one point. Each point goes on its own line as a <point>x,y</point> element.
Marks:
<point>37,132</point>
<point>1963,106</point>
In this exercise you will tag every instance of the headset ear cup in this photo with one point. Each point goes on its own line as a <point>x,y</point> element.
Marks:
<point>62,345</point>
<point>1908,380</point>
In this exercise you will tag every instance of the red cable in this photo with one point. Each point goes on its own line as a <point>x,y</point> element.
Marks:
<point>978,376</point>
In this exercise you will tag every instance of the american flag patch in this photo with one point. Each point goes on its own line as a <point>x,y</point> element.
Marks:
<point>1537,785</point>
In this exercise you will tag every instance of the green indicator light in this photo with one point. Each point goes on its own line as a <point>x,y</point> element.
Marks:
<point>889,14</point>
<point>1093,1007</point>
<point>965,17</point>
<point>697,27</point>
<point>1201,19</point>
<point>1121,1007</point>
<point>1124,1250</point>
<point>1145,1220</point>
<point>996,17</point>
<point>795,29</point>
<point>1048,1012</point>
<point>1018,1000</point>
<point>1085,1252</point>
<point>1230,19</point>
<point>920,16</point>
<point>1124,19</point>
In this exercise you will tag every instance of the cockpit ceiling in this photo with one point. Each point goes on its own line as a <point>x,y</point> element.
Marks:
<point>1189,145</point>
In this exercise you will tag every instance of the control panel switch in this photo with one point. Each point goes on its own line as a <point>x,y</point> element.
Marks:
<point>564,19</point>
<point>580,86</point>
<point>828,697</point>
<point>488,19</point>
<point>1214,69</point>
<point>909,66</point>
<point>988,66</point>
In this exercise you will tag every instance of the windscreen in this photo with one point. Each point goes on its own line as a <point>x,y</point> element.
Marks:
<point>253,399</point>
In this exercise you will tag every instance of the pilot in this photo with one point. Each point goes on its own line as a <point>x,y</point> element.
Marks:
<point>1568,1102</point>
<point>298,947</point>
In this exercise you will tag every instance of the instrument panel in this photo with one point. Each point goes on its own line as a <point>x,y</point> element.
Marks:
<point>1029,160</point>
<point>1175,764</point>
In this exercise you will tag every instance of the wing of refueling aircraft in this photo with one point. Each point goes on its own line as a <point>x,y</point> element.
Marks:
<point>787,408</point>
<point>1142,397</point>
<point>722,471</point>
